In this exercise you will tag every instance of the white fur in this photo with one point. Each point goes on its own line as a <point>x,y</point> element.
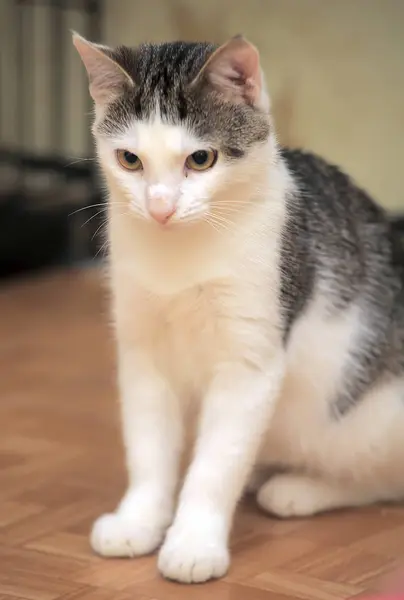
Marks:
<point>199,332</point>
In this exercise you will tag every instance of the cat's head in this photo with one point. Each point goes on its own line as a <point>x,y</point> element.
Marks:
<point>182,129</point>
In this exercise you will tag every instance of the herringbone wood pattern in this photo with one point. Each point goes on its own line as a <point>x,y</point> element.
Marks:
<point>61,465</point>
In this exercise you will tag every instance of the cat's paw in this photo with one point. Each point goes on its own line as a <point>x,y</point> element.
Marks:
<point>193,554</point>
<point>292,496</point>
<point>115,535</point>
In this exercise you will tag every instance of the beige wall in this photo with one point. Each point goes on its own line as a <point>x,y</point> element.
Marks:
<point>335,70</point>
<point>38,64</point>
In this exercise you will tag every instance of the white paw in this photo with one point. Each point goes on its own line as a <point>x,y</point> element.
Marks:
<point>292,496</point>
<point>193,554</point>
<point>118,535</point>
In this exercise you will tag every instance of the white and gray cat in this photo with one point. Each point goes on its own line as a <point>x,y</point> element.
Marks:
<point>255,295</point>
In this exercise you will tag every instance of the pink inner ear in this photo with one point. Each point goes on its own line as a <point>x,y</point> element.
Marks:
<point>106,82</point>
<point>235,72</point>
<point>106,77</point>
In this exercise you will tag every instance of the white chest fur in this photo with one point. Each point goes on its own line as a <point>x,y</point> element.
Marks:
<point>194,298</point>
<point>189,333</point>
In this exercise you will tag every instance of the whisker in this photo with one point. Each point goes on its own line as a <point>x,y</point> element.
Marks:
<point>102,248</point>
<point>211,223</point>
<point>103,225</point>
<point>225,223</point>
<point>80,160</point>
<point>93,216</point>
<point>221,224</point>
<point>86,208</point>
<point>225,202</point>
<point>234,212</point>
<point>102,204</point>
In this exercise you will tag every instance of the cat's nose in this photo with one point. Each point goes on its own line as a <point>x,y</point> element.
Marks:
<point>160,205</point>
<point>161,211</point>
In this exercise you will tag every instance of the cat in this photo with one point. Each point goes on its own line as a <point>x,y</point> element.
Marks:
<point>255,292</point>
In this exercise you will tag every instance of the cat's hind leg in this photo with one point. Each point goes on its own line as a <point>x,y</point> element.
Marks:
<point>355,459</point>
<point>299,495</point>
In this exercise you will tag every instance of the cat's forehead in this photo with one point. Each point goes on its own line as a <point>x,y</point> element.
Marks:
<point>162,74</point>
<point>155,138</point>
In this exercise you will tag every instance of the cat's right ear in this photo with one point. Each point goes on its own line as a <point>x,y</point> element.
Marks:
<point>107,79</point>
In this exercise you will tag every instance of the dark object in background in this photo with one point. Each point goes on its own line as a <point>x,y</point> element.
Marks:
<point>43,219</point>
<point>41,192</point>
<point>30,241</point>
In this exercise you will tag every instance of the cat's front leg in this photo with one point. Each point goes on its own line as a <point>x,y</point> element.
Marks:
<point>235,414</point>
<point>152,427</point>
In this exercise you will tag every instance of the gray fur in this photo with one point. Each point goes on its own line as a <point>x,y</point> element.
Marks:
<point>336,241</point>
<point>339,241</point>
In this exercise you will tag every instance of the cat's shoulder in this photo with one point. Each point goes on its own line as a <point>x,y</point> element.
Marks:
<point>327,188</point>
<point>313,172</point>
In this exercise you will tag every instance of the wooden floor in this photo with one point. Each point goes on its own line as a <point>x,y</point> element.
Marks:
<point>61,466</point>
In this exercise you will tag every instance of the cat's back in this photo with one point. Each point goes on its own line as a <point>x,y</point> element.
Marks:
<point>336,241</point>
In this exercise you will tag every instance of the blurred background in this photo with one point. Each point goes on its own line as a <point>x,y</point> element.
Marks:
<point>334,68</point>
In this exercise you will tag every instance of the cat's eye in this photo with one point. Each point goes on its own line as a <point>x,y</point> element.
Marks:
<point>128,160</point>
<point>201,160</point>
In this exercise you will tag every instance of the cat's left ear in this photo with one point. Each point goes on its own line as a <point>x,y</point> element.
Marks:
<point>234,71</point>
<point>107,78</point>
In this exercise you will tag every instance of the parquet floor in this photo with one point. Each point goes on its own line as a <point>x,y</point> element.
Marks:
<point>61,466</point>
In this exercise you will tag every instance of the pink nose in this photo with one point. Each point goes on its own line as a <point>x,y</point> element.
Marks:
<point>160,209</point>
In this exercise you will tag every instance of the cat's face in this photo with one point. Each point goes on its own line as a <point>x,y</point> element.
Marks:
<point>180,128</point>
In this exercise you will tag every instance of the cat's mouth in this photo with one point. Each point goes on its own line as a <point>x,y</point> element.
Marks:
<point>175,221</point>
<point>173,225</point>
